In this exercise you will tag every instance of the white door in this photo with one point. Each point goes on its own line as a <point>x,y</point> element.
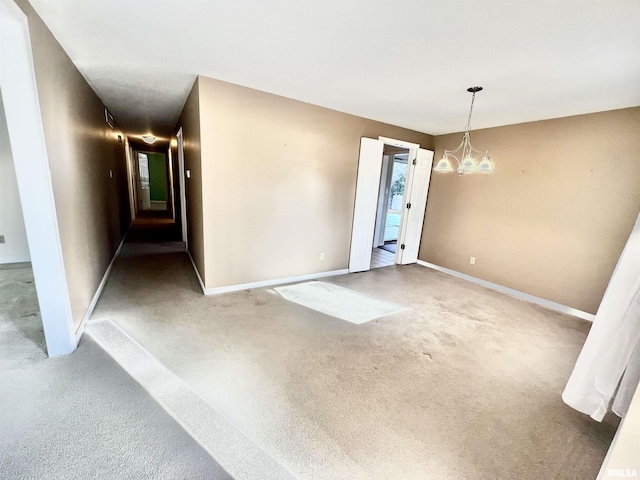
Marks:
<point>415,206</point>
<point>383,200</point>
<point>364,215</point>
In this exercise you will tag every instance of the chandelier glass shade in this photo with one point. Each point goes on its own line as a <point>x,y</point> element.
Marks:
<point>467,159</point>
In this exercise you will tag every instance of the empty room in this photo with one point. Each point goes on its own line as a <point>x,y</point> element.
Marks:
<point>286,240</point>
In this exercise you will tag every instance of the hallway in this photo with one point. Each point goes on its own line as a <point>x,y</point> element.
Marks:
<point>404,396</point>
<point>151,227</point>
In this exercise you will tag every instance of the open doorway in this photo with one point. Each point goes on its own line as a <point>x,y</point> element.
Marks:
<point>20,321</point>
<point>391,196</point>
<point>152,193</point>
<point>24,139</point>
<point>152,185</point>
<point>390,200</point>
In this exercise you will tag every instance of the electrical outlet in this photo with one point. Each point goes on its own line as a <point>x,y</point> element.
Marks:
<point>321,255</point>
<point>2,239</point>
<point>472,260</point>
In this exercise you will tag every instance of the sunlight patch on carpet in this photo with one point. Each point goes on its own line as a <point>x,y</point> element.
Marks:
<point>338,301</point>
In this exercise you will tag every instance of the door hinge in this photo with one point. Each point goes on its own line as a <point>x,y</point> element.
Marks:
<point>408,205</point>
<point>402,247</point>
<point>414,161</point>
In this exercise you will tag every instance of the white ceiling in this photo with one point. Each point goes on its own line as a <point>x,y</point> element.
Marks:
<point>407,63</point>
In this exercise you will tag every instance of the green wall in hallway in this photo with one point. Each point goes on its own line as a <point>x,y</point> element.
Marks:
<point>157,177</point>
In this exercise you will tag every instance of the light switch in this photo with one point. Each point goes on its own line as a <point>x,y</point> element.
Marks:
<point>188,172</point>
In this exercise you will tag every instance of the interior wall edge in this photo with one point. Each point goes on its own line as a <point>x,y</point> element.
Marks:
<point>195,269</point>
<point>87,165</point>
<point>190,123</point>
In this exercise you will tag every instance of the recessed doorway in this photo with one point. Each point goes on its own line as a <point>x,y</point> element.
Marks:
<point>386,215</point>
<point>152,185</point>
<point>390,201</point>
<point>29,171</point>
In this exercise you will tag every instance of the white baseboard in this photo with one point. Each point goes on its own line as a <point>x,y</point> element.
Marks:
<point>8,261</point>
<point>195,269</point>
<point>612,446</point>
<point>263,283</point>
<point>96,296</point>
<point>513,293</point>
<point>277,281</point>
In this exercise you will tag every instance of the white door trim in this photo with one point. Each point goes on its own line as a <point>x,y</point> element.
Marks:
<point>358,225</point>
<point>183,193</point>
<point>383,199</point>
<point>413,153</point>
<point>172,190</point>
<point>29,151</point>
<point>128,152</point>
<point>399,143</point>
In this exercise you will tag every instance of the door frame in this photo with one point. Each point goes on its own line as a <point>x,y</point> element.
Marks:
<point>370,184</point>
<point>383,199</point>
<point>33,175</point>
<point>183,184</point>
<point>388,165</point>
<point>171,191</point>
<point>133,194</point>
<point>139,189</point>
<point>413,154</point>
<point>168,179</point>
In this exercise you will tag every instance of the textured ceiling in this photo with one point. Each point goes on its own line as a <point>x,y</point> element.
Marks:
<point>407,63</point>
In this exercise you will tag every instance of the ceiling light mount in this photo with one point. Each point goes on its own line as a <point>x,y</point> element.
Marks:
<point>148,139</point>
<point>468,164</point>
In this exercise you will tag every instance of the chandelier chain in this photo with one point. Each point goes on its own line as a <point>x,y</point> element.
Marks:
<point>473,98</point>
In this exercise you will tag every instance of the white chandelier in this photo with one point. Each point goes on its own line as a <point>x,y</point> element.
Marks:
<point>469,163</point>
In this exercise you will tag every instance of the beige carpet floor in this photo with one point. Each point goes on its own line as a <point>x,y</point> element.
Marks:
<point>465,384</point>
<point>79,416</point>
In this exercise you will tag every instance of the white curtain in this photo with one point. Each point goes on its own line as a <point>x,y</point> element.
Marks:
<point>610,356</point>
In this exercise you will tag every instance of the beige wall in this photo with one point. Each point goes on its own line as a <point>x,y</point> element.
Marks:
<point>552,221</point>
<point>92,208</point>
<point>190,123</point>
<point>279,182</point>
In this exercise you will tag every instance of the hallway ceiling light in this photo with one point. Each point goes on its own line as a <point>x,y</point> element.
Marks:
<point>148,139</point>
<point>469,163</point>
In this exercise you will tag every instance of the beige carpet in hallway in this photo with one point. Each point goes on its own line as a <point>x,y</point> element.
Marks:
<point>79,416</point>
<point>465,384</point>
